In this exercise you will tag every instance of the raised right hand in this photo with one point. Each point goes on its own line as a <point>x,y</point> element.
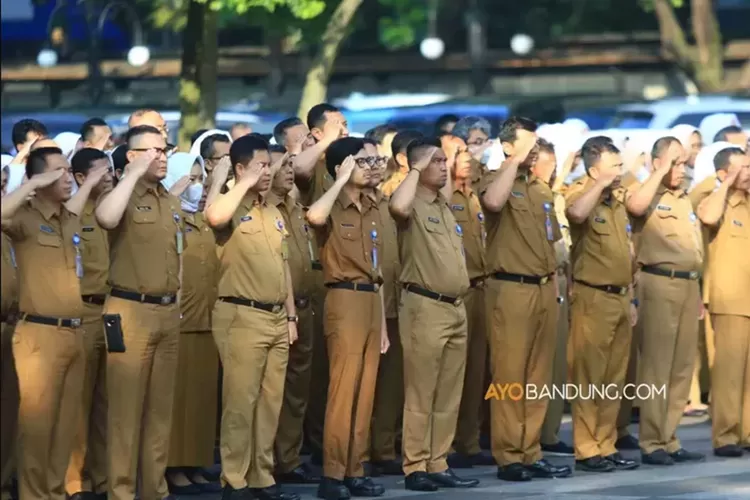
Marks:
<point>525,148</point>
<point>139,167</point>
<point>332,130</point>
<point>607,178</point>
<point>46,179</point>
<point>346,169</point>
<point>424,162</point>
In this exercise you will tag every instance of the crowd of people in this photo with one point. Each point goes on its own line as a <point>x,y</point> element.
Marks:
<point>356,297</point>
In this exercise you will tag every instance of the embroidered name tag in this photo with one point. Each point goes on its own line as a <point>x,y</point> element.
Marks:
<point>599,220</point>
<point>737,223</point>
<point>87,229</point>
<point>516,194</point>
<point>459,208</point>
<point>46,229</point>
<point>434,220</point>
<point>245,218</point>
<point>692,217</point>
<point>188,229</point>
<point>348,226</point>
<point>143,209</point>
<point>666,208</point>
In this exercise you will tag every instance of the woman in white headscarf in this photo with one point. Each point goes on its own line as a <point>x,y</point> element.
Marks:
<point>68,142</point>
<point>712,125</point>
<point>194,408</point>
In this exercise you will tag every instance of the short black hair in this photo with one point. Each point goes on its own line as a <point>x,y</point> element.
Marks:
<point>82,160</point>
<point>279,131</point>
<point>22,128</point>
<point>36,162</point>
<point>444,120</point>
<point>244,148</point>
<point>545,146</point>
<point>195,136</point>
<point>275,148</point>
<point>120,157</point>
<point>594,148</point>
<point>370,141</point>
<point>402,140</point>
<point>207,149</point>
<point>339,150</point>
<point>378,133</point>
<point>316,117</point>
<point>722,134</point>
<point>511,126</point>
<point>724,157</point>
<point>415,147</point>
<point>661,146</point>
<point>139,131</point>
<point>88,127</point>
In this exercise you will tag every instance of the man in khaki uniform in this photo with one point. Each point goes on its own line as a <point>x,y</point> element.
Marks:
<point>48,341</point>
<point>467,211</point>
<point>8,377</point>
<point>87,470</point>
<point>432,317</point>
<point>254,322</point>
<point>600,334</point>
<point>297,389</point>
<point>669,254</point>
<point>350,231</point>
<point>398,149</point>
<point>521,300</point>
<point>151,118</point>
<point>388,407</point>
<point>146,230</point>
<point>727,214</point>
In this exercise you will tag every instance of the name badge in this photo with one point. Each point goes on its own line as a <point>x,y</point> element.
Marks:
<point>279,225</point>
<point>666,208</point>
<point>458,208</point>
<point>143,209</point>
<point>516,194</point>
<point>737,223</point>
<point>79,260</point>
<point>87,229</point>
<point>348,226</point>
<point>374,237</point>
<point>599,220</point>
<point>480,216</point>
<point>178,233</point>
<point>245,218</point>
<point>459,231</point>
<point>434,220</point>
<point>46,229</point>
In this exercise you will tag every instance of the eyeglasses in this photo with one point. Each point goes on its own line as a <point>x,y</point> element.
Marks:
<point>371,161</point>
<point>160,151</point>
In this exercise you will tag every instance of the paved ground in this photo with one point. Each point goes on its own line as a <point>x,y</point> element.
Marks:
<point>715,479</point>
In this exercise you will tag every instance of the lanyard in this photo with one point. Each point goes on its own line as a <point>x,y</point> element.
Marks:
<point>548,221</point>
<point>309,243</point>
<point>178,234</point>
<point>79,260</point>
<point>374,237</point>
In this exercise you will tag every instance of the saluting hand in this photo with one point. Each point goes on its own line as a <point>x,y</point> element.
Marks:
<point>46,179</point>
<point>346,169</point>
<point>525,148</point>
<point>732,174</point>
<point>424,162</point>
<point>608,177</point>
<point>332,130</point>
<point>23,153</point>
<point>292,327</point>
<point>139,166</point>
<point>180,186</point>
<point>96,174</point>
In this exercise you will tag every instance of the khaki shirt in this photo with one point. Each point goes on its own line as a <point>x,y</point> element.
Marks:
<point>394,181</point>
<point>46,260</point>
<point>696,196</point>
<point>478,171</point>
<point>321,181</point>
<point>562,247</point>
<point>517,239</point>
<point>255,252</point>
<point>200,274</point>
<point>143,247</point>
<point>390,262</point>
<point>9,277</point>
<point>302,246</point>
<point>601,245</point>
<point>669,234</point>
<point>431,247</point>
<point>95,253</point>
<point>468,213</point>
<point>347,241</point>
<point>729,265</point>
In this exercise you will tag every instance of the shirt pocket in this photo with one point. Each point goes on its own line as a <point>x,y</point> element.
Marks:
<point>144,227</point>
<point>519,210</point>
<point>668,224</point>
<point>49,240</point>
<point>251,237</point>
<point>738,229</point>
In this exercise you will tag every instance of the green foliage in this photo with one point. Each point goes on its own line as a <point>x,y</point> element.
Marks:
<point>399,29</point>
<point>648,5</point>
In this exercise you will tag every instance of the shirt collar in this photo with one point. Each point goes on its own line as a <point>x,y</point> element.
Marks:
<point>275,199</point>
<point>251,199</point>
<point>426,195</point>
<point>89,207</point>
<point>142,187</point>
<point>737,197</point>
<point>677,193</point>
<point>46,209</point>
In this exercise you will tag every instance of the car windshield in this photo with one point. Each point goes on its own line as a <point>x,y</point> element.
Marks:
<point>695,119</point>
<point>631,119</point>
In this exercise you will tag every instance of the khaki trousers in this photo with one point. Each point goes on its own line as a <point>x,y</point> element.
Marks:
<point>254,350</point>
<point>50,365</point>
<point>600,336</point>
<point>140,391</point>
<point>625,414</point>
<point>389,398</point>
<point>433,335</point>
<point>705,359</point>
<point>87,470</point>
<point>316,406</point>
<point>8,408</point>
<point>352,328</point>
<point>474,387</point>
<point>556,406</point>
<point>730,381</point>
<point>522,324</point>
<point>669,321</point>
<point>297,391</point>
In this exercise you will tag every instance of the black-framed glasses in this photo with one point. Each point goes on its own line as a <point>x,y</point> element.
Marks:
<point>371,161</point>
<point>161,151</point>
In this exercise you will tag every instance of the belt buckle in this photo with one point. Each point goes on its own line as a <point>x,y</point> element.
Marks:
<point>623,291</point>
<point>693,275</point>
<point>544,280</point>
<point>458,302</point>
<point>276,308</point>
<point>376,287</point>
<point>166,300</point>
<point>75,322</point>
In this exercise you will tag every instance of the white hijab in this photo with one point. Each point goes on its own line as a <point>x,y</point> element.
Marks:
<point>195,149</point>
<point>67,142</point>
<point>704,162</point>
<point>16,173</point>
<point>683,133</point>
<point>178,166</point>
<point>712,124</point>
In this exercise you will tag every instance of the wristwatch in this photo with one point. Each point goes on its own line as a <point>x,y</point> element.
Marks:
<point>292,319</point>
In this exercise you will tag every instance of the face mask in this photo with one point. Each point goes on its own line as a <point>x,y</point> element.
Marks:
<point>192,197</point>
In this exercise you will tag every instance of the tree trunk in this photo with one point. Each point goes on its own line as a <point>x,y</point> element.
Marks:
<point>191,96</point>
<point>210,69</point>
<point>316,83</point>
<point>275,44</point>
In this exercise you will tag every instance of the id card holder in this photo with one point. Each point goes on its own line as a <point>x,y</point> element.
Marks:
<point>113,336</point>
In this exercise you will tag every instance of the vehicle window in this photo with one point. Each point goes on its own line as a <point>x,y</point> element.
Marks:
<point>631,119</point>
<point>695,119</point>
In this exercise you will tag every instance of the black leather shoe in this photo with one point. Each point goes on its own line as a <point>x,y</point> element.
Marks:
<point>184,490</point>
<point>560,448</point>
<point>513,472</point>
<point>728,451</point>
<point>229,493</point>
<point>363,487</point>
<point>449,479</point>
<point>622,463</point>
<point>459,461</point>
<point>332,489</point>
<point>682,455</point>
<point>595,464</point>
<point>387,468</point>
<point>300,475</point>
<point>273,493</point>
<point>419,481</point>
<point>544,469</point>
<point>657,457</point>
<point>627,443</point>
<point>82,495</point>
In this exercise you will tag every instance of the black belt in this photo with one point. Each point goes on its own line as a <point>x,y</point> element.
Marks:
<point>671,273</point>
<point>263,306</point>
<point>9,318</point>
<point>476,282</point>
<point>163,300</point>
<point>432,295</point>
<point>357,287</point>
<point>317,266</point>
<point>47,320</point>
<point>301,302</point>
<point>521,278</point>
<point>96,299</point>
<point>617,290</point>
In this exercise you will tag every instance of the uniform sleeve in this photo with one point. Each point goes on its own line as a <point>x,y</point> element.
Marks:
<point>322,233</point>
<point>486,181</point>
<point>702,191</point>
<point>16,228</point>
